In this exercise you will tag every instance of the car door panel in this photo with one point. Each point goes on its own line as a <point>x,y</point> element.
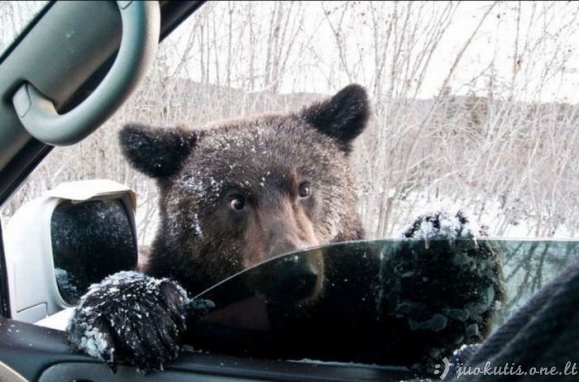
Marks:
<point>42,354</point>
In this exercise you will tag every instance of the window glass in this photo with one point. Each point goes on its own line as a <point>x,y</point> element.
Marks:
<point>254,314</point>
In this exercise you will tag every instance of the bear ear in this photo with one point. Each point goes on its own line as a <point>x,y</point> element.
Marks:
<point>343,117</point>
<point>156,152</point>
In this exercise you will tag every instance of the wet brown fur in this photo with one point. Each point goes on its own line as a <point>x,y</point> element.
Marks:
<point>264,159</point>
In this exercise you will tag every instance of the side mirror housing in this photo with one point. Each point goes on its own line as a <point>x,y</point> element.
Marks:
<point>60,243</point>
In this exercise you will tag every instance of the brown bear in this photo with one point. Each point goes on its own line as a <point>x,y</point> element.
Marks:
<point>246,190</point>
<point>232,196</point>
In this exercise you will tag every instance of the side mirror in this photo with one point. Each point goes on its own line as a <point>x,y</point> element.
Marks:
<point>59,244</point>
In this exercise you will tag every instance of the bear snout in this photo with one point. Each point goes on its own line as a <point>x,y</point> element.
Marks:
<point>275,230</point>
<point>280,231</point>
<point>295,277</point>
<point>298,281</point>
<point>292,279</point>
<point>283,244</point>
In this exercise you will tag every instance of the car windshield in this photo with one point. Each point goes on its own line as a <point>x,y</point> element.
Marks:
<point>259,313</point>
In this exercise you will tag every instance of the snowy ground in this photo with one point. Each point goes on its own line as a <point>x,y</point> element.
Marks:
<point>507,222</point>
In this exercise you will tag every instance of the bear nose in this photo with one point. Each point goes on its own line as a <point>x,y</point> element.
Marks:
<point>297,280</point>
<point>285,245</point>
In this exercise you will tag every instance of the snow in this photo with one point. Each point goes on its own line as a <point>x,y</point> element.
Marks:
<point>196,227</point>
<point>117,279</point>
<point>95,343</point>
<point>498,220</point>
<point>450,225</point>
<point>441,224</point>
<point>123,303</point>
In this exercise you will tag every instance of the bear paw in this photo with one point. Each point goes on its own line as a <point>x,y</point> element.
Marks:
<point>441,287</point>
<point>441,225</point>
<point>130,316</point>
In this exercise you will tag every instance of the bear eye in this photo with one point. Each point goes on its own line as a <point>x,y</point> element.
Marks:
<point>237,203</point>
<point>305,190</point>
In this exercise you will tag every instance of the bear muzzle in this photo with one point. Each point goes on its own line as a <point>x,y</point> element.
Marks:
<point>299,280</point>
<point>277,228</point>
<point>290,279</point>
<point>286,230</point>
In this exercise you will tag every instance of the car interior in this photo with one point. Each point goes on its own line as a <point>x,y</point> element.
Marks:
<point>68,71</point>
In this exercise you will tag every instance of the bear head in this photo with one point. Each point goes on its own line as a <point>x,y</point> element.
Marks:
<point>242,191</point>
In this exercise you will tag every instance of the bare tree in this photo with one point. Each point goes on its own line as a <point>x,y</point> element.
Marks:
<point>483,124</point>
